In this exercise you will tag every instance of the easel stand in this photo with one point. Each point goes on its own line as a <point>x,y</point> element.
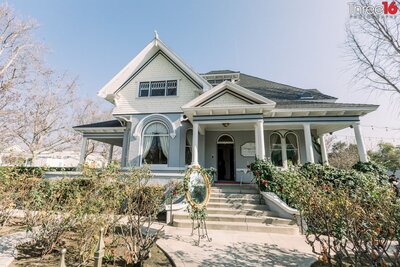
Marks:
<point>201,227</point>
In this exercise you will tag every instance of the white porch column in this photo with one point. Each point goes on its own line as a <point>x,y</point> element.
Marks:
<point>110,153</point>
<point>324,152</point>
<point>260,129</point>
<point>83,151</point>
<point>257,141</point>
<point>195,144</point>
<point>360,143</point>
<point>309,145</point>
<point>284,152</point>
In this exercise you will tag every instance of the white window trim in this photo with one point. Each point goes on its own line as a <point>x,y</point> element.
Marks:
<point>298,144</point>
<point>284,145</point>
<point>188,129</point>
<point>162,166</point>
<point>270,147</point>
<point>157,80</point>
<point>225,142</point>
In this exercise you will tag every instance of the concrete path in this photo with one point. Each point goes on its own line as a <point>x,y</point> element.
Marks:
<point>7,246</point>
<point>231,248</point>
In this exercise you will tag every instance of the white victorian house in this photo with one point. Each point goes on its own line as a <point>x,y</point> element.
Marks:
<point>169,116</point>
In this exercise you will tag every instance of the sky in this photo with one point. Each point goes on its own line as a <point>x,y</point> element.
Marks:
<point>300,43</point>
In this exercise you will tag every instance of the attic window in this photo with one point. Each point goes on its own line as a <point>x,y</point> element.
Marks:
<point>158,88</point>
<point>306,96</point>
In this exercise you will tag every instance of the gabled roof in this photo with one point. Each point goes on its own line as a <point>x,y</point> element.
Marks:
<point>248,97</point>
<point>136,64</point>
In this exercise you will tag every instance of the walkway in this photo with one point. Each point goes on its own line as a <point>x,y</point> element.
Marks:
<point>7,246</point>
<point>231,248</point>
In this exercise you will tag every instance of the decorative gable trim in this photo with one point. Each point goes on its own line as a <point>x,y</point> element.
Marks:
<point>233,89</point>
<point>154,48</point>
<point>227,92</point>
<point>159,52</point>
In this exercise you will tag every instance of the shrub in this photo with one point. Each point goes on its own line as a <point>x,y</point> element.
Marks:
<point>372,167</point>
<point>351,225</point>
<point>352,216</point>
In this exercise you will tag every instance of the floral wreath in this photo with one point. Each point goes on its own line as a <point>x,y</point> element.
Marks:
<point>196,211</point>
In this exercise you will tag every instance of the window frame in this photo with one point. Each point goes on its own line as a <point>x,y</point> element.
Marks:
<point>283,145</point>
<point>298,146</point>
<point>149,89</point>
<point>142,141</point>
<point>272,147</point>
<point>187,146</point>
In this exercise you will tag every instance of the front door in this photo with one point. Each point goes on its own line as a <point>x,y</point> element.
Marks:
<point>226,163</point>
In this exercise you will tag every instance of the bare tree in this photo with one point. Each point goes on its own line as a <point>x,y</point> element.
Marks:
<point>374,48</point>
<point>19,57</point>
<point>43,122</point>
<point>89,111</point>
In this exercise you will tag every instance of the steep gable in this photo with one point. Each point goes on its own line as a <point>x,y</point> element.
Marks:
<point>160,68</point>
<point>131,70</point>
<point>227,98</point>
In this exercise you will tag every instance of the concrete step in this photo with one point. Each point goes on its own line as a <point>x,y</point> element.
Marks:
<point>237,205</point>
<point>239,218</point>
<point>235,195</point>
<point>236,200</point>
<point>257,211</point>
<point>240,226</point>
<point>233,190</point>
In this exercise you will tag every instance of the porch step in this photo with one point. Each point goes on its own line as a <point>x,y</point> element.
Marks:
<point>234,190</point>
<point>242,226</point>
<point>238,218</point>
<point>236,206</point>
<point>239,208</point>
<point>235,195</point>
<point>261,211</point>
<point>236,200</point>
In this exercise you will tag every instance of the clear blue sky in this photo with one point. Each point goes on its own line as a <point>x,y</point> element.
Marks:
<point>295,42</point>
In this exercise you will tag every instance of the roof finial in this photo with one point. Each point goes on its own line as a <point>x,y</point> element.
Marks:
<point>155,34</point>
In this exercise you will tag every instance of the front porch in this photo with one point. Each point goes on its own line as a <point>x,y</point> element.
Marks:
<point>231,142</point>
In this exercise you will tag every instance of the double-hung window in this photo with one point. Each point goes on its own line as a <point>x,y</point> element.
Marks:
<point>158,88</point>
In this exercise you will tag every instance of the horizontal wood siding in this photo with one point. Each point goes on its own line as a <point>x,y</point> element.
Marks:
<point>159,68</point>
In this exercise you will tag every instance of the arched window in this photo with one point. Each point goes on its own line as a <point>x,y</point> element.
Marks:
<point>292,148</point>
<point>276,149</point>
<point>188,147</point>
<point>155,144</point>
<point>225,139</point>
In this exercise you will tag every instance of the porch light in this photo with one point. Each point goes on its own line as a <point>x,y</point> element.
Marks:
<point>225,124</point>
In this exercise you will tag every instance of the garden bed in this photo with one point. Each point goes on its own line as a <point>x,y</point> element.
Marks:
<point>28,256</point>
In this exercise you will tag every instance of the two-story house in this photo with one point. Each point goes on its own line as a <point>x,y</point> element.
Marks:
<point>169,116</point>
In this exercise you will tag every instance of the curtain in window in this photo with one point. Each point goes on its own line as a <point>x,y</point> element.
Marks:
<point>276,152</point>
<point>291,140</point>
<point>189,138</point>
<point>147,141</point>
<point>292,148</point>
<point>275,140</point>
<point>164,145</point>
